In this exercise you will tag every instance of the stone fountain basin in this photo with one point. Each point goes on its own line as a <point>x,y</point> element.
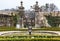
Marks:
<point>9,33</point>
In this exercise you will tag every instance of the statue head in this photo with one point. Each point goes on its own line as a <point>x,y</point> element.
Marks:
<point>36,2</point>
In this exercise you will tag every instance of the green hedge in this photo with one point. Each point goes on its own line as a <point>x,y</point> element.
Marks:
<point>53,20</point>
<point>28,38</point>
<point>31,39</point>
<point>26,29</point>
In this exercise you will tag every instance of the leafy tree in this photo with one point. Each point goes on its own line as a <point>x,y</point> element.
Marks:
<point>49,7</point>
<point>53,7</point>
<point>15,19</point>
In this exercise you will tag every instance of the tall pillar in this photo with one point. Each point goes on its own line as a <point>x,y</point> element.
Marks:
<point>21,14</point>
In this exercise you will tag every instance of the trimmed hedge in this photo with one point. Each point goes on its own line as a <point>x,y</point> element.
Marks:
<point>53,20</point>
<point>26,29</point>
<point>28,36</point>
<point>30,39</point>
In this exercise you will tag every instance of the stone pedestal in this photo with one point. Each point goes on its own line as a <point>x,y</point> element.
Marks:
<point>17,26</point>
<point>21,23</point>
<point>8,24</point>
<point>36,19</point>
<point>59,25</point>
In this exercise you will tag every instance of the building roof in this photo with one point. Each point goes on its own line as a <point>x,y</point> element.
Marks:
<point>7,12</point>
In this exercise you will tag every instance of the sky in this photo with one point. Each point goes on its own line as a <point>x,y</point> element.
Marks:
<point>8,4</point>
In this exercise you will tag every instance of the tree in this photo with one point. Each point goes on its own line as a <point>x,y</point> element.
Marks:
<point>49,7</point>
<point>15,19</point>
<point>53,7</point>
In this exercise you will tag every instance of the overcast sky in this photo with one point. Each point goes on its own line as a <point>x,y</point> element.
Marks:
<point>7,4</point>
